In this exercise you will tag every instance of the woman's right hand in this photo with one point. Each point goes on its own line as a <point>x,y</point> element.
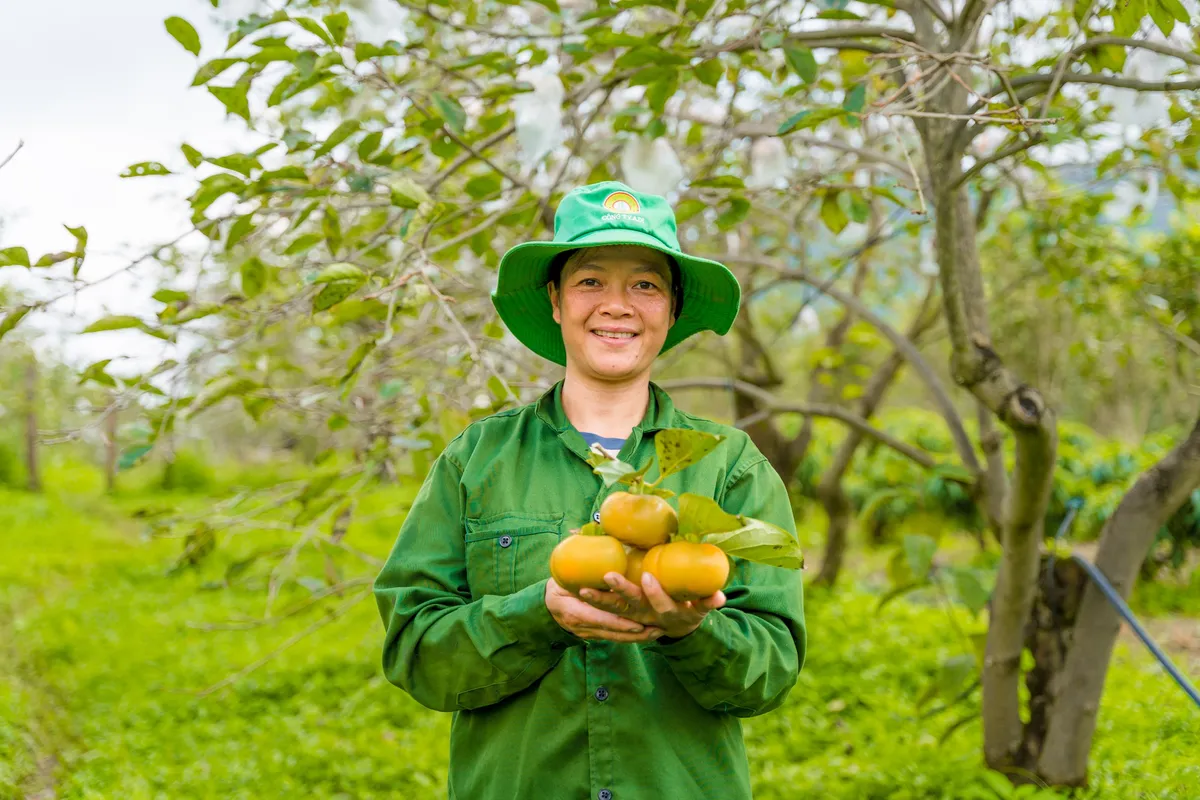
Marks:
<point>588,622</point>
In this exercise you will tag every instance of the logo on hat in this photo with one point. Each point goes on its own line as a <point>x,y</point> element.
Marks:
<point>622,203</point>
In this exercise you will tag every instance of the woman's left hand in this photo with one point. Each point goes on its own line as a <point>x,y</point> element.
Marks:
<point>650,605</point>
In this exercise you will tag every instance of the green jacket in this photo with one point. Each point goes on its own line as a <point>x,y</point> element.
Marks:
<point>540,714</point>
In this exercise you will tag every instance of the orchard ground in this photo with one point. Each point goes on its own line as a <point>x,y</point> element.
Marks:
<point>104,655</point>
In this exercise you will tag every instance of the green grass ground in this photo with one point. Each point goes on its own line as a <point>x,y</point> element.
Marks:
<point>102,654</point>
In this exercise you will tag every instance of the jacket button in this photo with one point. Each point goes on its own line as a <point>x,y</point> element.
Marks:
<point>602,694</point>
<point>604,794</point>
<point>596,516</point>
<point>505,540</point>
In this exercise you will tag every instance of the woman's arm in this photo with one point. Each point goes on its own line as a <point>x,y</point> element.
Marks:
<point>745,657</point>
<point>446,651</point>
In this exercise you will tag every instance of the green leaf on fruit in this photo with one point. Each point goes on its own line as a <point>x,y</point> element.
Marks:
<point>591,529</point>
<point>699,515</point>
<point>760,542</point>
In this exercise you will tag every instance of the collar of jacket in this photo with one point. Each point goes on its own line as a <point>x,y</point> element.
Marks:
<point>660,413</point>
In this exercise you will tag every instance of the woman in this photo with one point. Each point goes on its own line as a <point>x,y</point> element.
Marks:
<point>617,695</point>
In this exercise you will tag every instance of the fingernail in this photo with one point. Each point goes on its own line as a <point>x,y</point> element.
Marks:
<point>638,629</point>
<point>586,594</point>
<point>611,580</point>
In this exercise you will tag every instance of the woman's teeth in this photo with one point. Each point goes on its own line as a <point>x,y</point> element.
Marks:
<point>615,335</point>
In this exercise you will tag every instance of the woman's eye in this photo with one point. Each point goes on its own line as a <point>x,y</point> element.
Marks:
<point>589,282</point>
<point>647,285</point>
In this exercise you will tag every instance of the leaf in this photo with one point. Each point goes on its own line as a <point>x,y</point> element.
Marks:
<point>302,244</point>
<point>170,296</point>
<point>451,112</point>
<point>333,293</point>
<point>802,62</point>
<point>145,169</point>
<point>369,144</point>
<point>483,186</point>
<point>590,529</point>
<point>614,470</point>
<point>356,361</point>
<point>496,387</point>
<point>96,372</point>
<point>1162,17</point>
<point>239,230</point>
<point>760,542</point>
<point>212,69</point>
<point>677,449</point>
<point>218,390</point>
<point>339,135</point>
<point>132,455</point>
<point>832,214</point>
<point>341,271</point>
<point>1127,16</point>
<point>709,72</point>
<point>856,98</point>
<point>237,162</point>
<point>194,157</point>
<point>918,552</point>
<point>331,226</point>
<point>970,588</point>
<point>837,13</point>
<point>115,323</point>
<point>700,515</point>
<point>11,319</point>
<point>184,33</point>
<point>860,212</point>
<point>406,193</point>
<point>314,27</point>
<point>14,257</point>
<point>337,24</point>
<point>234,98</point>
<point>736,210</point>
<point>808,119</point>
<point>254,276</point>
<point>720,182</point>
<point>996,781</point>
<point>1176,10</point>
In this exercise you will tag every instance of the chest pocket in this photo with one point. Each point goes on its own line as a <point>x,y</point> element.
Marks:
<point>507,552</point>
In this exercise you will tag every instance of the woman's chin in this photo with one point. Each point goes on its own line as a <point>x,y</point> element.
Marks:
<point>616,368</point>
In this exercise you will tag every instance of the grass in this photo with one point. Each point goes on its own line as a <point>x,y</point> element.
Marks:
<point>102,654</point>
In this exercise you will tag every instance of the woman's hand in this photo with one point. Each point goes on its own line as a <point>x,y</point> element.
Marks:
<point>650,605</point>
<point>590,622</point>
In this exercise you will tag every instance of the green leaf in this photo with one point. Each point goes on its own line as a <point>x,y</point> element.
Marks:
<point>241,228</point>
<point>802,62</point>
<point>856,98</point>
<point>331,226</point>
<point>1162,17</point>
<point>688,209</point>
<point>614,470</point>
<point>184,33</point>
<point>1127,16</point>
<point>96,372</point>
<point>314,27</point>
<point>369,144</point>
<point>860,211</point>
<point>970,587</point>
<point>11,319</point>
<point>115,323</point>
<point>736,210</point>
<point>590,529</point>
<point>699,515</point>
<point>832,214</point>
<point>720,182</point>
<point>170,296</point>
<point>234,98</point>
<point>341,271</point>
<point>659,92</point>
<point>254,276</point>
<point>483,186</point>
<point>837,13</point>
<point>451,112</point>
<point>302,244</point>
<point>808,119</point>
<point>337,24</point>
<point>145,169</point>
<point>334,293</point>
<point>339,135</point>
<point>1176,10</point>
<point>760,542</point>
<point>679,448</point>
<point>196,311</point>
<point>14,257</point>
<point>406,193</point>
<point>709,72</point>
<point>237,162</point>
<point>132,455</point>
<point>194,157</point>
<point>918,552</point>
<point>356,361</point>
<point>217,390</point>
<point>212,69</point>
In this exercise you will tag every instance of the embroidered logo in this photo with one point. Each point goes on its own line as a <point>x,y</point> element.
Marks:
<point>622,203</point>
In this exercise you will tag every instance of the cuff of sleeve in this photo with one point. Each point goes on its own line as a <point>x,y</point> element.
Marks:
<point>527,618</point>
<point>700,648</point>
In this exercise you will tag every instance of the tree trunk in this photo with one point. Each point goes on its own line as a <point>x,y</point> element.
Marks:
<point>110,450</point>
<point>1126,539</point>
<point>32,469</point>
<point>838,509</point>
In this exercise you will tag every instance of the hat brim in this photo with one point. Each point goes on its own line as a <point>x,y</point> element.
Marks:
<point>711,294</point>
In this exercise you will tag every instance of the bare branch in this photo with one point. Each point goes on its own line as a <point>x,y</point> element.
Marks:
<point>999,155</point>
<point>772,406</point>
<point>1115,81</point>
<point>20,144</point>
<point>957,431</point>
<point>1142,44</point>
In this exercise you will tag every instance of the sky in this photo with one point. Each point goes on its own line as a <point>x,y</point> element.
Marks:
<point>91,88</point>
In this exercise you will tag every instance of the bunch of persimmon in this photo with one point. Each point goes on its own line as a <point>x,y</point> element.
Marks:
<point>687,551</point>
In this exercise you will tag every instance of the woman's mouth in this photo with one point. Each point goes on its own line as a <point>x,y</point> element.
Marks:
<point>615,336</point>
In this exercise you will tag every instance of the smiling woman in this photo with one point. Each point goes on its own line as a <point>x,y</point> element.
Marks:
<point>632,694</point>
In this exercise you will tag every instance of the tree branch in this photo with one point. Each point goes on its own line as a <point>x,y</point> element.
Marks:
<point>957,431</point>
<point>20,144</point>
<point>771,405</point>
<point>1115,81</point>
<point>999,155</point>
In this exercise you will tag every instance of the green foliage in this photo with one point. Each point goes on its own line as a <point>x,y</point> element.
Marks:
<point>187,471</point>
<point>12,466</point>
<point>133,727</point>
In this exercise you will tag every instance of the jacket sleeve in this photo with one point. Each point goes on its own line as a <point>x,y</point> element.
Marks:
<point>745,657</point>
<point>446,651</point>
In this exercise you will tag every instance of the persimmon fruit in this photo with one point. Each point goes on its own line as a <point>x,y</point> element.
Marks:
<point>633,564</point>
<point>579,561</point>
<point>640,520</point>
<point>688,570</point>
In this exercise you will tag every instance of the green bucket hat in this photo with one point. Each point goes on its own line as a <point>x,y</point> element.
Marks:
<point>609,213</point>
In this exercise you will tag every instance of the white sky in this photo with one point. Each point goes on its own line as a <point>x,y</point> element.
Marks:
<point>91,88</point>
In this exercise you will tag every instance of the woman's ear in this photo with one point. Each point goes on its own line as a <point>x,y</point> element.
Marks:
<point>553,290</point>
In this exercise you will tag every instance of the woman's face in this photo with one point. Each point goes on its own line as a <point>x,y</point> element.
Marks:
<point>614,306</point>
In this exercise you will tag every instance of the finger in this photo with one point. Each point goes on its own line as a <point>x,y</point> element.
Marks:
<point>647,635</point>
<point>589,616</point>
<point>659,600</point>
<point>712,603</point>
<point>622,585</point>
<point>609,601</point>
